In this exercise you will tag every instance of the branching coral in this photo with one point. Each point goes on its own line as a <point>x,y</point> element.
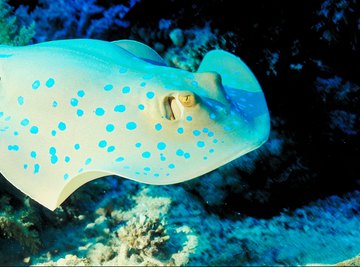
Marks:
<point>341,99</point>
<point>57,19</point>
<point>14,225</point>
<point>337,22</point>
<point>142,239</point>
<point>191,45</point>
<point>11,31</point>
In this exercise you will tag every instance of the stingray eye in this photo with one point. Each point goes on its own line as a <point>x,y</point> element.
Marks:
<point>187,100</point>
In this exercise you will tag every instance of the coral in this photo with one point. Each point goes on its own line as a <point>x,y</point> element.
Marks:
<point>69,260</point>
<point>122,234</point>
<point>338,23</point>
<point>17,226</point>
<point>341,100</point>
<point>348,123</point>
<point>11,31</point>
<point>191,45</point>
<point>142,239</point>
<point>56,19</point>
<point>338,91</point>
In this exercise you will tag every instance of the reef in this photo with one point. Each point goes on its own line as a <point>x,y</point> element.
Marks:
<point>277,205</point>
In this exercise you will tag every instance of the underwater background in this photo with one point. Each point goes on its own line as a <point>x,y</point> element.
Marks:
<point>293,201</point>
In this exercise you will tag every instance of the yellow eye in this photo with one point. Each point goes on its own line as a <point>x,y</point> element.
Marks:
<point>187,100</point>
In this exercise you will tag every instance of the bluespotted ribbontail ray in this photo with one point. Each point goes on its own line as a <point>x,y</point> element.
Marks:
<point>75,110</point>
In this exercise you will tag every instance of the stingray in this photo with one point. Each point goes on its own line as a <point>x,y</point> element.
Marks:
<point>75,110</point>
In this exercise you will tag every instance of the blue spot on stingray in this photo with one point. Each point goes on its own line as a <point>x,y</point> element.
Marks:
<point>54,104</point>
<point>215,141</point>
<point>119,159</point>
<point>161,145</point>
<point>66,176</point>
<point>138,145</point>
<point>180,130</point>
<point>162,157</point>
<point>81,93</point>
<point>53,132</point>
<point>186,155</point>
<point>110,128</point>
<point>53,159</point>
<point>189,118</point>
<point>102,144</point>
<point>194,83</point>
<point>74,102</point>
<point>196,132</point>
<point>141,107</point>
<point>80,112</point>
<point>110,149</point>
<point>35,85</point>
<point>131,126</point>
<point>158,127</point>
<point>34,130</point>
<point>36,168</point>
<point>126,90</point>
<point>108,87</point>
<point>210,134</point>
<point>50,82</point>
<point>171,166</point>
<point>150,95</point>
<point>33,154</point>
<point>8,118</point>
<point>211,150</point>
<point>16,133</point>
<point>146,154</point>
<point>156,175</point>
<point>212,116</point>
<point>147,169</point>
<point>62,126</point>
<point>14,147</point>
<point>1,114</point>
<point>67,159</point>
<point>179,152</point>
<point>143,84</point>
<point>20,100</point>
<point>25,122</point>
<point>227,128</point>
<point>26,166</point>
<point>205,130</point>
<point>123,70</point>
<point>77,146</point>
<point>88,161</point>
<point>99,111</point>
<point>52,150</point>
<point>205,158</point>
<point>119,108</point>
<point>200,144</point>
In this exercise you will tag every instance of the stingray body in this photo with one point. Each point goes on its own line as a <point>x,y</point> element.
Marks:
<point>75,110</point>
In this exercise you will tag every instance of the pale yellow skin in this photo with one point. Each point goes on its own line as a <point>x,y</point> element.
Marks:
<point>186,123</point>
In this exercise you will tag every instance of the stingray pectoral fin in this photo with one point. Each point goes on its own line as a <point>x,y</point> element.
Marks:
<point>241,88</point>
<point>233,71</point>
<point>73,184</point>
<point>141,51</point>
